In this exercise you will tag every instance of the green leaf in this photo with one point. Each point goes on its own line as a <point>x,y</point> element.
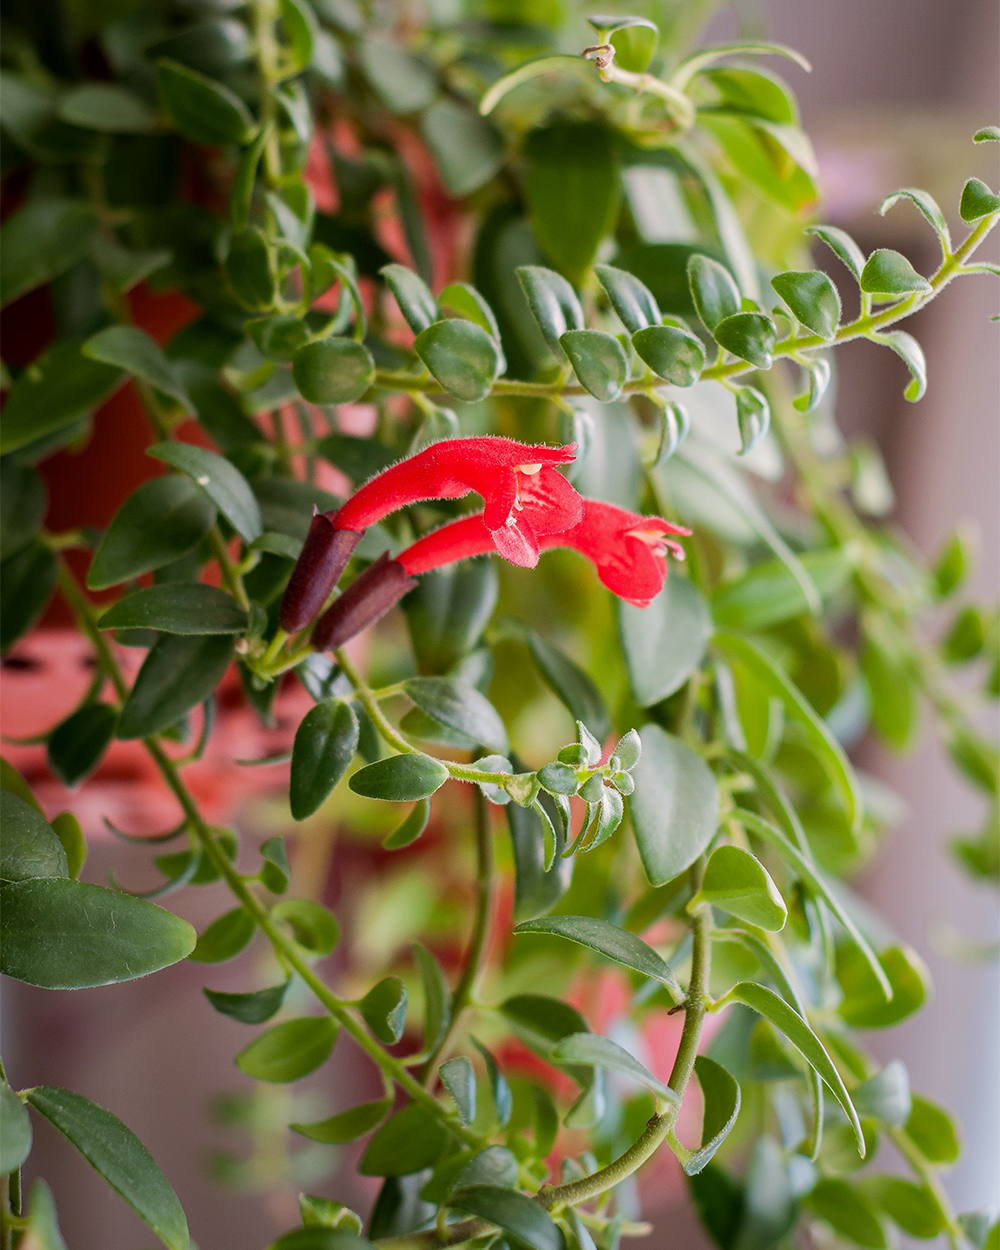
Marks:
<point>573,189</point>
<point>512,1211</point>
<point>251,269</point>
<point>321,1239</point>
<point>55,390</point>
<point>116,1154</point>
<point>225,937</point>
<point>933,1131</point>
<point>413,295</point>
<point>11,779</point>
<point>787,1021</point>
<point>459,1079</point>
<point>108,107</point>
<point>177,608</point>
<point>159,522</point>
<point>598,360</point>
<point>314,928</point>
<point>664,642</point>
<point>252,1008</point>
<point>77,745</point>
<point>753,91</point>
<point>503,1098</point>
<point>909,350</point>
<point>912,1207</point>
<point>26,586</point>
<point>15,1141</point>
<point>674,808</point>
<point>753,415</point>
<point>241,194</point>
<point>828,750</point>
<point>448,611</point>
<point>278,337</point>
<point>890,274</point>
<point>571,685</point>
<point>631,299</point>
<point>179,672</point>
<point>43,1222</point>
<point>333,371</point>
<point>23,504</point>
<point>68,830</point>
<point>221,481</point>
<point>121,268</point>
<point>30,847</point>
<point>437,996</point>
<point>461,356</point>
<point>42,240</point>
<point>740,884</point>
<point>886,1095</point>
<point>465,300</point>
<point>411,828</point>
<point>697,61</point>
<point>895,696</point>
<point>289,1050</point>
<point>716,296</point>
<point>849,1212</point>
<point>400,778</point>
<point>301,31</point>
<point>813,299</point>
<point>461,708</point>
<point>592,1050</point>
<point>274,871</point>
<point>672,353</point>
<point>346,1126</point>
<point>987,134</point>
<point>553,303</point>
<point>468,150</point>
<point>533,69</point>
<point>843,247</point>
<point>411,1140</point>
<point>403,83</point>
<point>749,335</point>
<point>610,941</point>
<point>634,43</point>
<point>768,594</point>
<point>384,1009</point>
<point>203,110</point>
<point>541,1021</point>
<point>928,207</point>
<point>721,1093</point>
<point>864,1005</point>
<point>325,743</point>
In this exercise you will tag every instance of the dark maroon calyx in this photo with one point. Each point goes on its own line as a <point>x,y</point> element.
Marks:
<point>323,558</point>
<point>365,601</point>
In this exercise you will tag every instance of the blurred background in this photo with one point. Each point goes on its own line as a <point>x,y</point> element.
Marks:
<point>897,89</point>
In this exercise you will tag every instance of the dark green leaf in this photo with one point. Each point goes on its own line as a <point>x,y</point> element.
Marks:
<point>437,996</point>
<point>400,778</point>
<point>553,303</point>
<point>42,240</point>
<point>738,883</point>
<point>664,642</point>
<point>241,194</point>
<point>107,106</point>
<point>674,808</point>
<point>753,414</point>
<point>503,1099</point>
<point>631,299</point>
<point>403,83</point>
<point>468,150</point>
<point>411,828</point>
<point>65,935</point>
<point>278,337</point>
<point>177,608</point>
<point>516,1213</point>
<point>224,938</point>
<point>571,684</point>
<point>909,350</point>
<point>722,1107</point>
<point>461,356</point>
<point>845,1208</point>
<point>359,458</point>
<point>54,391</point>
<point>384,1009</point>
<point>977,201</point>
<point>348,1125</point>
<point>768,594</point>
<point>251,269</point>
<point>325,743</point>
<point>933,1131</point>
<point>885,1096</point>
<point>612,942</point>
<point>333,371</point>
<point>26,585</point>
<point>203,110</point>
<point>221,481</point>
<point>459,1079</point>
<point>592,1050</point>
<point>156,524</point>
<point>459,707</point>
<point>864,1005</point>
<point>121,268</point>
<point>716,296</point>
<point>493,1166</point>
<point>413,295</point>
<point>842,245</point>
<point>889,273</point>
<point>321,1239</point>
<point>598,360</point>
<point>179,672</point>
<point>11,779</point>
<point>537,888</point>
<point>813,299</point>
<point>546,1121</point>
<point>116,1154</point>
<point>313,927</point>
<point>78,743</point>
<point>289,1050</point>
<point>30,847</point>
<point>15,1141</point>
<point>23,504</point>
<point>749,335</point>
<point>542,1021</point>
<point>252,1008</point>
<point>412,1139</point>
<point>671,353</point>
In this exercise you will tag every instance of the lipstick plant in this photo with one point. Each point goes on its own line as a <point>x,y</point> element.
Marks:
<point>511,337</point>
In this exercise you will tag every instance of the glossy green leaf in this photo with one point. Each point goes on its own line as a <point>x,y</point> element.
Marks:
<point>55,390</point>
<point>225,937</point>
<point>403,83</point>
<point>813,299</point>
<point>460,707</point>
<point>553,303</point>
<point>664,642</point>
<point>346,1126</point>
<point>221,481</point>
<point>843,247</point>
<point>864,1005</point>
<point>177,608</point>
<point>412,827</point>
<point>314,928</point>
<point>179,672</point>
<point>672,353</point>
<point>203,110</point>
<point>886,1095</point>
<point>753,91</point>
<point>15,1140</point>
<point>574,688</point>
<point>787,1021</point>
<point>631,299</point>
<point>573,191</point>
<point>716,296</point>
<point>889,273</point>
<point>909,350</point>
<point>325,743</point>
<point>30,847</point>
<point>928,208</point>
<point>459,1079</point>
<point>933,1131</point>
<point>251,269</point>
<point>592,1050</point>
<point>461,356</point>
<point>159,522</point>
<point>384,1009</point>
<point>78,743</point>
<point>977,201</point>
<point>66,935</point>
<point>610,941</point>
<point>40,241</point>
<point>468,149</point>
<point>912,1207</point>
<point>68,830</point>
<point>465,300</point>
<point>289,1050</point>
<point>26,585</point>
<point>768,594</point>
<point>116,1154</point>
<point>598,360</point>
<point>512,1211</point>
<point>400,778</point>
<point>753,415</point>
<point>674,808</point>
<point>721,1093</point>
<point>849,1212</point>
<point>738,883</point>
<point>253,1008</point>
<point>749,335</point>
<point>412,1139</point>
<point>333,371</point>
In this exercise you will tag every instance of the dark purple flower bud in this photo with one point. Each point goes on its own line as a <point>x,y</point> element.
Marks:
<point>366,600</point>
<point>323,558</point>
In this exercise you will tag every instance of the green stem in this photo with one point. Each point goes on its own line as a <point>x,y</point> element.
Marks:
<point>932,1184</point>
<point>230,574</point>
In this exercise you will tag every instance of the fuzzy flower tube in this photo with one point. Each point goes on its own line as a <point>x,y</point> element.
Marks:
<point>526,500</point>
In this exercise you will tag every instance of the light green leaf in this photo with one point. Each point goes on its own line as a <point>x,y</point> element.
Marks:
<point>739,884</point>
<point>592,1050</point>
<point>697,61</point>
<point>849,1212</point>
<point>459,1079</point>
<point>890,274</point>
<point>753,415</point>
<point>403,83</point>
<point>289,1050</point>
<point>611,941</point>
<point>664,643</point>
<point>384,1009</point>
<point>886,1095</point>
<point>221,481</point>
<point>43,1222</point>
<point>928,207</point>
<point>411,828</point>
<point>864,1005</point>
<point>977,201</point>
<point>909,350</point>
<point>15,1138</point>
<point>912,1207</point>
<point>314,928</point>
<point>532,69</point>
<point>769,594</point>
<point>933,1131</point>
<point>346,1126</point>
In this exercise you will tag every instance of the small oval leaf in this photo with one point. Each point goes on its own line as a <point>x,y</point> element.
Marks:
<point>740,884</point>
<point>400,778</point>
<point>179,672</point>
<point>324,746</point>
<point>598,360</point>
<point>290,1050</point>
<point>333,371</point>
<point>672,353</point>
<point>384,1010</point>
<point>461,356</point>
